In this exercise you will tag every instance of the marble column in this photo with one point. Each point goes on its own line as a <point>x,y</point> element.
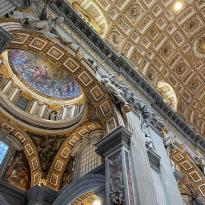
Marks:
<point>8,85</point>
<point>43,108</point>
<point>64,113</point>
<point>115,148</point>
<point>13,95</point>
<point>33,107</point>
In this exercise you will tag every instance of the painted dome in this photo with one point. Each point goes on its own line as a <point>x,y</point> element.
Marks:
<point>43,76</point>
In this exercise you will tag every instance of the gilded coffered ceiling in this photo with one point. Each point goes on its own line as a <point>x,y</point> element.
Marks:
<point>164,41</point>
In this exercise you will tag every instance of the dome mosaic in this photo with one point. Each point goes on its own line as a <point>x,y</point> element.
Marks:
<point>43,76</point>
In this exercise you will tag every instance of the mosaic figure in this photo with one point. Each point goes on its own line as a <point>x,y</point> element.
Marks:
<point>42,75</point>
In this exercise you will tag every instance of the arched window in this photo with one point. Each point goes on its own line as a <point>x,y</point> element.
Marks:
<point>8,147</point>
<point>168,94</point>
<point>84,158</point>
<point>3,150</point>
<point>92,13</point>
<point>89,159</point>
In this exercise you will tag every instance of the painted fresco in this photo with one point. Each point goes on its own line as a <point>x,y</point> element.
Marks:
<point>18,172</point>
<point>47,148</point>
<point>42,75</point>
<point>69,173</point>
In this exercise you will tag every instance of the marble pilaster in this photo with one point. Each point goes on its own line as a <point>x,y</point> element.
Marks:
<point>115,148</point>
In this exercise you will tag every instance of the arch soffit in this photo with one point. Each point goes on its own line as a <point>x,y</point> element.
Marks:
<point>83,74</point>
<point>194,176</point>
<point>28,147</point>
<point>62,158</point>
<point>87,183</point>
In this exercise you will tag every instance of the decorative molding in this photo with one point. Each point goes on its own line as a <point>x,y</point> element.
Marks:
<point>189,170</point>
<point>62,158</point>
<point>115,148</point>
<point>27,145</point>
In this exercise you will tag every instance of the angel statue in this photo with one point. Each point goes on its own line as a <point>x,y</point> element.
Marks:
<point>12,5</point>
<point>146,115</point>
<point>110,83</point>
<point>200,161</point>
<point>169,138</point>
<point>40,22</point>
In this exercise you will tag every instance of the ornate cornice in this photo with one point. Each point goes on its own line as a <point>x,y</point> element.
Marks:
<point>120,65</point>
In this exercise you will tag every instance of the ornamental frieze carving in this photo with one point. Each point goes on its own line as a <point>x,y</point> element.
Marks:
<point>116,181</point>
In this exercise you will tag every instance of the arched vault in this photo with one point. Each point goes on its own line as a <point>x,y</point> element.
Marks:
<point>28,147</point>
<point>192,174</point>
<point>63,156</point>
<point>88,183</point>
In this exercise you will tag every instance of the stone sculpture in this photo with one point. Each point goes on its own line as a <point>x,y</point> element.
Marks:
<point>12,5</point>
<point>53,115</point>
<point>200,161</point>
<point>145,126</point>
<point>169,138</point>
<point>127,99</point>
<point>46,27</point>
<point>79,54</point>
<point>121,92</point>
<point>22,3</point>
<point>110,83</point>
<point>41,23</point>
